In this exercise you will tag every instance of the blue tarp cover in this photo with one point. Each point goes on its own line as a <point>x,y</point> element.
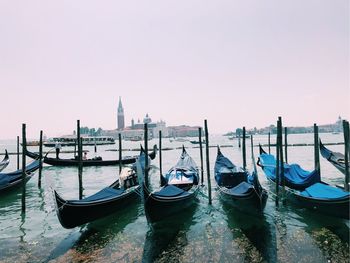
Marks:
<point>295,176</point>
<point>241,189</point>
<point>324,191</point>
<point>171,191</point>
<point>105,193</point>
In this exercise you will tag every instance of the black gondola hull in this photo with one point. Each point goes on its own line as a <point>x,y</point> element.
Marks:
<point>71,215</point>
<point>159,208</point>
<point>252,203</point>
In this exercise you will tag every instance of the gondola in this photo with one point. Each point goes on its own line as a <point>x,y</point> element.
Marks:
<point>335,158</point>
<point>318,196</point>
<point>178,192</point>
<point>5,161</point>
<point>89,162</point>
<point>237,187</point>
<point>120,194</point>
<point>295,177</point>
<point>197,142</point>
<point>9,181</point>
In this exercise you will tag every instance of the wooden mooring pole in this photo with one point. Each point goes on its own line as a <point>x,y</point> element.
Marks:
<point>201,153</point>
<point>120,152</point>
<point>41,158</point>
<point>347,153</point>
<point>316,150</point>
<point>207,158</point>
<point>80,160</point>
<point>269,141</point>
<point>24,149</point>
<point>160,157</point>
<point>17,152</point>
<point>286,144</point>
<point>277,171</point>
<point>244,151</point>
<point>282,160</point>
<point>239,139</point>
<point>146,151</point>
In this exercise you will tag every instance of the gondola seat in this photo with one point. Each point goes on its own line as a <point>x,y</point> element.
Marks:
<point>171,191</point>
<point>105,193</point>
<point>242,189</point>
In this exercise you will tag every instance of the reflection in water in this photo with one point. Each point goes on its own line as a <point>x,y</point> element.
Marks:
<point>254,234</point>
<point>96,235</point>
<point>166,239</point>
<point>330,234</point>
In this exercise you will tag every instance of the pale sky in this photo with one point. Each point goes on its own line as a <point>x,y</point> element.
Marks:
<point>232,62</point>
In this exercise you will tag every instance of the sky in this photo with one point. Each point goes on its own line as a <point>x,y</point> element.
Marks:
<point>234,63</point>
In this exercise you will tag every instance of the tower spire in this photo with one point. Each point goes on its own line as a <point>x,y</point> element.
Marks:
<point>120,115</point>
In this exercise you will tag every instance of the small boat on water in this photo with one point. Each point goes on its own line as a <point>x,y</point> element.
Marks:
<point>12,180</point>
<point>306,188</point>
<point>335,158</point>
<point>97,161</point>
<point>72,140</point>
<point>178,192</point>
<point>5,161</point>
<point>120,194</point>
<point>197,142</point>
<point>237,187</point>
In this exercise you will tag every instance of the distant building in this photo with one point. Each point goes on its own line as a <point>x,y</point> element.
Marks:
<point>183,131</point>
<point>120,116</point>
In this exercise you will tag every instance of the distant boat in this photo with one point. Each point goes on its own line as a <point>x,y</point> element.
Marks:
<point>97,161</point>
<point>335,158</point>
<point>197,142</point>
<point>72,141</point>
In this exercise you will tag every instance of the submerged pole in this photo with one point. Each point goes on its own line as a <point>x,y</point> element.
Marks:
<point>207,157</point>
<point>201,153</point>
<point>286,144</point>
<point>269,141</point>
<point>160,156</point>
<point>346,155</point>
<point>24,149</point>
<point>244,151</point>
<point>146,152</point>
<point>17,152</point>
<point>316,150</point>
<point>120,151</point>
<point>41,157</point>
<point>277,171</point>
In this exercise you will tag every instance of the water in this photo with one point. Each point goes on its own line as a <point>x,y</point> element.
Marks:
<point>204,233</point>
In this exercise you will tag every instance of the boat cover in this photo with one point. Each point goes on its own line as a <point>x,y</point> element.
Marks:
<point>242,189</point>
<point>105,193</point>
<point>324,191</point>
<point>170,191</point>
<point>295,176</point>
<point>186,171</point>
<point>6,178</point>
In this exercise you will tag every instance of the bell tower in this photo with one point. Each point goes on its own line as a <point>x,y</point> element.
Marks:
<point>120,116</point>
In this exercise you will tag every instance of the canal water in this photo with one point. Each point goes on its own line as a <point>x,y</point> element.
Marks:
<point>205,233</point>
